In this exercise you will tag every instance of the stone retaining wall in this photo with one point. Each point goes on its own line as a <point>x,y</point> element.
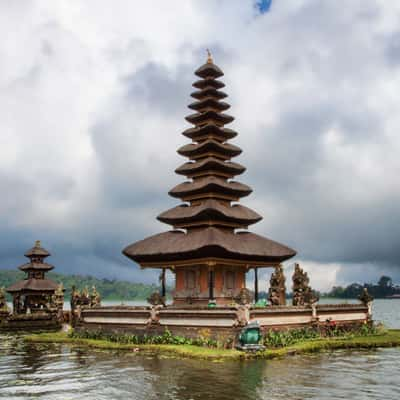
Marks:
<point>30,322</point>
<point>225,321</point>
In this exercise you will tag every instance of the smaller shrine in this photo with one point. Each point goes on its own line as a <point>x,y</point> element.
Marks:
<point>36,293</point>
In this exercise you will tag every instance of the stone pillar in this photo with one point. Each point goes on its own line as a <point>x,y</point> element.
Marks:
<point>255,284</point>
<point>15,304</point>
<point>369,315</point>
<point>162,278</point>
<point>314,312</point>
<point>211,281</point>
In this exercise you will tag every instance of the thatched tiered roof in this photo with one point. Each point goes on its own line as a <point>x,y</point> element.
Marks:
<point>35,271</point>
<point>208,218</point>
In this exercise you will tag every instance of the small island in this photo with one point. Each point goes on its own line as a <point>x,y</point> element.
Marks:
<point>210,252</point>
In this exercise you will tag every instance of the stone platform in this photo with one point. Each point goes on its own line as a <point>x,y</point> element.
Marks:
<point>194,321</point>
<point>30,322</point>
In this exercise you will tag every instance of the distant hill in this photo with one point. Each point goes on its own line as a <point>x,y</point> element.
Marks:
<point>108,289</point>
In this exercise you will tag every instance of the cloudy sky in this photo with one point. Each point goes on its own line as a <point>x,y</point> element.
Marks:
<point>92,106</point>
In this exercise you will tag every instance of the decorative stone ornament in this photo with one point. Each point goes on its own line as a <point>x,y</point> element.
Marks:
<point>249,337</point>
<point>156,299</point>
<point>302,292</point>
<point>244,297</point>
<point>277,289</point>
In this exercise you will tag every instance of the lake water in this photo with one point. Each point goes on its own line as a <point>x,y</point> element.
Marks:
<point>59,372</point>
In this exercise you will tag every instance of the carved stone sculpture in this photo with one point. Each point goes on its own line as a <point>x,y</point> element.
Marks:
<point>310,297</point>
<point>156,299</point>
<point>273,297</point>
<point>58,297</point>
<point>75,297</point>
<point>365,297</point>
<point>302,292</point>
<point>244,296</point>
<point>85,297</point>
<point>277,289</point>
<point>95,299</point>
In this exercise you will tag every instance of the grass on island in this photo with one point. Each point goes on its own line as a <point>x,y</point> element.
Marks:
<point>388,338</point>
<point>184,350</point>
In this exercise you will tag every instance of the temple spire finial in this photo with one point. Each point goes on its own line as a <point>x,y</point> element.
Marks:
<point>209,57</point>
<point>37,243</point>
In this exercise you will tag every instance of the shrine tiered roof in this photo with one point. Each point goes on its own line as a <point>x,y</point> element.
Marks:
<point>39,285</point>
<point>35,270</point>
<point>209,242</point>
<point>209,221</point>
<point>37,250</point>
<point>209,211</point>
<point>42,266</point>
<point>210,165</point>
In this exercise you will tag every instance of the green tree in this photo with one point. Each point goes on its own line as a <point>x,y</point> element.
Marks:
<point>385,281</point>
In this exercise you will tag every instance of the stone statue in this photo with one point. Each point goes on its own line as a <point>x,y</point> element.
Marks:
<point>244,297</point>
<point>273,297</point>
<point>302,292</point>
<point>59,297</point>
<point>310,297</point>
<point>277,290</point>
<point>365,297</point>
<point>156,299</point>
<point>3,301</point>
<point>85,298</point>
<point>298,297</point>
<point>95,299</point>
<point>75,298</point>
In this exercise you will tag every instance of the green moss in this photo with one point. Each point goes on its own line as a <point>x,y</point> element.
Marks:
<point>390,338</point>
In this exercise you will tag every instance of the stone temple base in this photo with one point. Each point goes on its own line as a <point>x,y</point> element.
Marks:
<point>219,323</point>
<point>30,323</point>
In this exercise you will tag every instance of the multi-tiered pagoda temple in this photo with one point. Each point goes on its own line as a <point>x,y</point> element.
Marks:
<point>34,293</point>
<point>209,249</point>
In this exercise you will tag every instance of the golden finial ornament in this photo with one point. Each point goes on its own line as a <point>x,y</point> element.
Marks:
<point>37,243</point>
<point>209,57</point>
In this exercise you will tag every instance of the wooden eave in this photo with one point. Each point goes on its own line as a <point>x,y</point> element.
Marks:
<point>209,70</point>
<point>210,212</point>
<point>210,262</point>
<point>204,83</point>
<point>210,131</point>
<point>209,117</point>
<point>200,150</point>
<point>209,91</point>
<point>209,103</point>
<point>210,185</point>
<point>210,164</point>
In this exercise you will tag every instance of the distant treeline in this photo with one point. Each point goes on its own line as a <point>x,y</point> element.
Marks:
<point>109,289</point>
<point>383,288</point>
